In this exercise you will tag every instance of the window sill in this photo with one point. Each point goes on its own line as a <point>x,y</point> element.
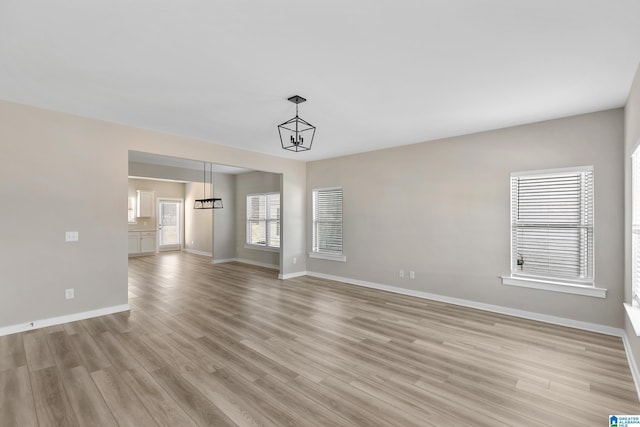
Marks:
<point>328,257</point>
<point>633,313</point>
<point>548,285</point>
<point>261,248</point>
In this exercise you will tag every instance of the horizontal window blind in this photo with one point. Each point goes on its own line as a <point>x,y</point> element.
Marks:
<point>327,221</point>
<point>273,220</point>
<point>256,216</point>
<point>552,224</point>
<point>263,219</point>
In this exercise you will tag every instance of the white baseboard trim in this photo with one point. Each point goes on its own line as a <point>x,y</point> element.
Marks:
<point>259,264</point>
<point>635,373</point>
<point>592,327</point>
<point>197,252</point>
<point>223,260</point>
<point>247,261</point>
<point>37,324</point>
<point>292,275</point>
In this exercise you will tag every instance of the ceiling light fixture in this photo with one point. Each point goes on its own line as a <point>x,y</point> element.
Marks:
<point>296,134</point>
<point>210,203</point>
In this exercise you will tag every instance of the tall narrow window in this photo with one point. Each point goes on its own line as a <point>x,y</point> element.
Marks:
<point>132,210</point>
<point>327,224</point>
<point>263,220</point>
<point>635,225</point>
<point>552,225</point>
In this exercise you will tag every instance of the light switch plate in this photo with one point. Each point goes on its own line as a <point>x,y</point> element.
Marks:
<point>71,236</point>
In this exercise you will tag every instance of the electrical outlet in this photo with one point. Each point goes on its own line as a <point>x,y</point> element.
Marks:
<point>401,273</point>
<point>71,236</point>
<point>412,274</point>
<point>295,260</point>
<point>69,293</point>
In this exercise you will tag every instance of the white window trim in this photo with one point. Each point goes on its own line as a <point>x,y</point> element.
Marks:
<point>555,286</point>
<point>261,248</point>
<point>328,257</point>
<point>553,171</point>
<point>266,246</point>
<point>633,313</point>
<point>633,309</point>
<point>551,284</point>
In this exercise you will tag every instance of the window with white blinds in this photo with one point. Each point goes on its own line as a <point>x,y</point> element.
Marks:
<point>327,221</point>
<point>263,220</point>
<point>635,225</point>
<point>552,225</point>
<point>132,210</point>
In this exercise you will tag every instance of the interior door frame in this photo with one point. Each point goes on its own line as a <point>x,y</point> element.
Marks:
<point>180,245</point>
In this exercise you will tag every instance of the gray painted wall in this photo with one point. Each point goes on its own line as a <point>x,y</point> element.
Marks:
<point>251,183</point>
<point>224,220</point>
<point>212,230</point>
<point>441,208</point>
<point>77,170</point>
<point>198,223</point>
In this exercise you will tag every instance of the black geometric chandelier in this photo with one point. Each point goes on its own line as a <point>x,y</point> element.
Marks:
<point>296,134</point>
<point>211,202</point>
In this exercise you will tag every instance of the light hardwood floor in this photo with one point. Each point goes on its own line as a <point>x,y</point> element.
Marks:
<point>230,344</point>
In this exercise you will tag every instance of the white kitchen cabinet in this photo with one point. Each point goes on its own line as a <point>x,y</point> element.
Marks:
<point>134,242</point>
<point>145,204</point>
<point>147,241</point>
<point>142,242</point>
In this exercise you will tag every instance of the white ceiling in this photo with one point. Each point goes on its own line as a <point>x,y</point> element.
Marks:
<point>376,73</point>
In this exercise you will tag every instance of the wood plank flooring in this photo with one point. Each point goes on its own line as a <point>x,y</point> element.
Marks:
<point>229,344</point>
